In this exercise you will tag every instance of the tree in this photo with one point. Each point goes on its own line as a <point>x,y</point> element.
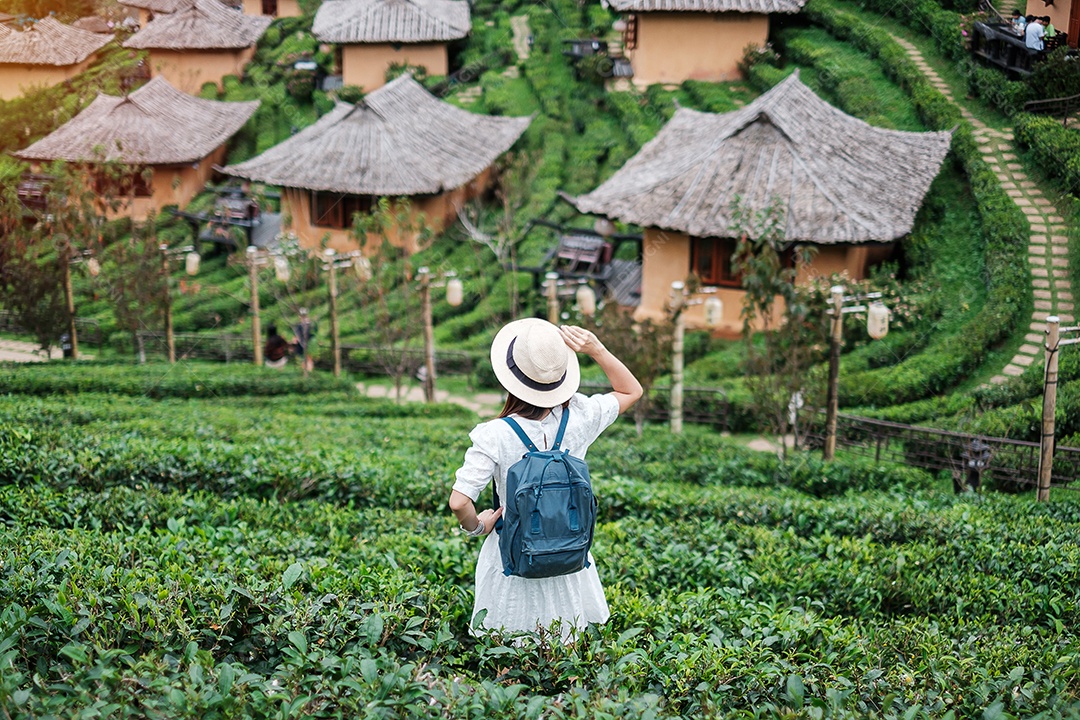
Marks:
<point>387,291</point>
<point>783,323</point>
<point>644,347</point>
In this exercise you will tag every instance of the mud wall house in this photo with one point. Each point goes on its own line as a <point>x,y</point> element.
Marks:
<point>200,43</point>
<point>178,137</point>
<point>372,35</point>
<point>669,41</point>
<point>46,54</point>
<point>847,188</point>
<point>401,141</point>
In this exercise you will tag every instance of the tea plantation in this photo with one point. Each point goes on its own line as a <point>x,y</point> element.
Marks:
<point>207,553</point>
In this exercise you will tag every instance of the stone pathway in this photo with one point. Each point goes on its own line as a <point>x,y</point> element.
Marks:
<point>520,25</point>
<point>1048,247</point>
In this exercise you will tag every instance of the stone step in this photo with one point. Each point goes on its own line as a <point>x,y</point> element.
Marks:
<point>1034,337</point>
<point>1029,349</point>
<point>1013,370</point>
<point>1023,360</point>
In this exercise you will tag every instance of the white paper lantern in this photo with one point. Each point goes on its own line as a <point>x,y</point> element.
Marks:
<point>191,263</point>
<point>362,268</point>
<point>586,300</point>
<point>714,311</point>
<point>281,269</point>
<point>604,227</point>
<point>455,292</point>
<point>619,26</point>
<point>93,267</point>
<point>877,321</point>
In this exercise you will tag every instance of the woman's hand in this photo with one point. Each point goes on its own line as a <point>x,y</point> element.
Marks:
<point>488,517</point>
<point>581,340</point>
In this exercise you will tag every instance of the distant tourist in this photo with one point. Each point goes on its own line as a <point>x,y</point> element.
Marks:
<point>276,352</point>
<point>1033,35</point>
<point>1019,22</point>
<point>1051,31</point>
<point>303,332</point>
<point>536,363</point>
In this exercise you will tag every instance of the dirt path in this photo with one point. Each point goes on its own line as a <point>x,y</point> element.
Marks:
<point>19,351</point>
<point>482,403</point>
<point>1048,246</point>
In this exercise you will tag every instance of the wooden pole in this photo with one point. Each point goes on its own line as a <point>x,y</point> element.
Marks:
<point>677,372</point>
<point>335,337</point>
<point>832,398</point>
<point>1050,381</point>
<point>170,341</point>
<point>69,299</point>
<point>256,324</point>
<point>553,297</point>
<point>429,334</point>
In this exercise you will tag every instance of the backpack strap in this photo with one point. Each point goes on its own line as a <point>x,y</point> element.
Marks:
<point>562,428</point>
<point>525,438</point>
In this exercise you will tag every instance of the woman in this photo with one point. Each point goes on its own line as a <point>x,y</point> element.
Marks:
<point>537,365</point>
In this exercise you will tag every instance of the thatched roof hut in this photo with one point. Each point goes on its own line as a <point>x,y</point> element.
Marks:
<point>155,125</point>
<point>94,24</point>
<point>836,178</point>
<point>202,25</point>
<point>49,42</point>
<point>707,6</point>
<point>401,140</point>
<point>391,21</point>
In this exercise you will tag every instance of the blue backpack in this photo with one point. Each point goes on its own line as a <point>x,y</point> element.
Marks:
<point>547,527</point>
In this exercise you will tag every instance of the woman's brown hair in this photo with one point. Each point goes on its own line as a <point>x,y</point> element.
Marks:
<point>516,406</point>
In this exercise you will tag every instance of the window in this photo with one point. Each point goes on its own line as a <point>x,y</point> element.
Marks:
<point>710,260</point>
<point>269,7</point>
<point>335,210</point>
<point>110,185</point>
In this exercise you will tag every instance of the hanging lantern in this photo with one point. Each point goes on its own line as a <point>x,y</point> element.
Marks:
<point>619,26</point>
<point>586,300</point>
<point>191,263</point>
<point>455,292</point>
<point>604,227</point>
<point>714,311</point>
<point>93,267</point>
<point>362,268</point>
<point>877,320</point>
<point>281,269</point>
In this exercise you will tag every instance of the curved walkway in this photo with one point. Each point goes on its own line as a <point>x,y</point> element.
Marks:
<point>1048,246</point>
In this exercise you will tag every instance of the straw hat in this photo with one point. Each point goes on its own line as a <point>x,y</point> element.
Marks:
<point>533,363</point>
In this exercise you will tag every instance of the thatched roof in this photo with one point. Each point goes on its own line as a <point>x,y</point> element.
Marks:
<point>708,6</point>
<point>380,21</point>
<point>400,140</point>
<point>49,42</point>
<point>203,25</point>
<point>6,18</point>
<point>94,24</point>
<point>163,7</point>
<point>155,125</point>
<point>836,178</point>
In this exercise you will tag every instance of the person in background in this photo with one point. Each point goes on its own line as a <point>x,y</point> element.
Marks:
<point>1050,30</point>
<point>1019,22</point>
<point>303,332</point>
<point>1033,34</point>
<point>276,352</point>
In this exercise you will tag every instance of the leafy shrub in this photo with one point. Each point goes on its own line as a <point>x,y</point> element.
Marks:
<point>1054,148</point>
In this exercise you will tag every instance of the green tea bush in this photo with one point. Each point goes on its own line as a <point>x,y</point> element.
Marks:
<point>187,379</point>
<point>1054,148</point>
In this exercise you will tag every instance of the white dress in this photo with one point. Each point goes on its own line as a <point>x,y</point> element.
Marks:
<point>523,604</point>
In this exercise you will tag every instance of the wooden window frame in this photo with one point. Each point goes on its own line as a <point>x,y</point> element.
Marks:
<point>719,273</point>
<point>134,184</point>
<point>341,210</point>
